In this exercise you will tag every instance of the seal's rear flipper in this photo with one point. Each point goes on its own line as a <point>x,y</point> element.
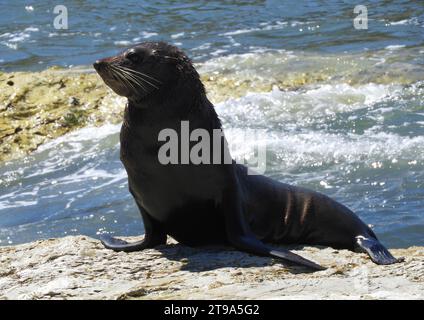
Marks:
<point>252,245</point>
<point>377,252</point>
<point>294,258</point>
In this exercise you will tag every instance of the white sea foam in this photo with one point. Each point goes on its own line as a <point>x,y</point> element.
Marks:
<point>281,106</point>
<point>292,150</point>
<point>85,134</point>
<point>122,43</point>
<point>218,52</point>
<point>287,117</point>
<point>233,43</point>
<point>316,148</point>
<point>19,37</point>
<point>251,62</point>
<point>265,26</point>
<point>411,21</point>
<point>177,35</point>
<point>70,153</point>
<point>296,23</point>
<point>203,46</point>
<point>395,47</point>
<point>32,29</point>
<point>13,204</point>
<point>12,39</point>
<point>13,46</point>
<point>147,35</point>
<point>240,31</point>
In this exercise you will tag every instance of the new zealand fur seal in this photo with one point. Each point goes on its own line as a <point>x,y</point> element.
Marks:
<point>213,203</point>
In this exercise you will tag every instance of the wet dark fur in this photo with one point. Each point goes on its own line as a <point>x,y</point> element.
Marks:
<point>213,204</point>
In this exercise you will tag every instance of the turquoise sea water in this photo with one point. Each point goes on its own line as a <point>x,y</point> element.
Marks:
<point>357,135</point>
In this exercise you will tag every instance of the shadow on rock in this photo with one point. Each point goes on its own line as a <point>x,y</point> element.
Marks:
<point>208,258</point>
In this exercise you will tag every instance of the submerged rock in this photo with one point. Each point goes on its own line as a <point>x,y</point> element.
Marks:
<point>80,268</point>
<point>40,106</point>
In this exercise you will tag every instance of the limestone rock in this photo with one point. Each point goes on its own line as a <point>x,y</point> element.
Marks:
<point>80,268</point>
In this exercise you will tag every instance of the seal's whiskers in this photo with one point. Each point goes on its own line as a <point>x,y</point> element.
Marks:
<point>141,75</point>
<point>130,78</point>
<point>125,80</point>
<point>137,79</point>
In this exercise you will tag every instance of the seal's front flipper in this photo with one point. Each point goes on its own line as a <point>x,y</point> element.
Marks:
<point>121,245</point>
<point>153,237</point>
<point>377,252</point>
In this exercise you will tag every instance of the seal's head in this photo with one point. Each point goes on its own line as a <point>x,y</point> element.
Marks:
<point>146,70</point>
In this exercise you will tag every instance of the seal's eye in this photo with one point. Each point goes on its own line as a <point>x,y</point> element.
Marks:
<point>133,56</point>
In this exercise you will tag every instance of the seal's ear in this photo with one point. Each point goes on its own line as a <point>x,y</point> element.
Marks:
<point>172,59</point>
<point>178,62</point>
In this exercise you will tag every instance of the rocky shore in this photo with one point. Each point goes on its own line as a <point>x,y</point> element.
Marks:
<point>80,268</point>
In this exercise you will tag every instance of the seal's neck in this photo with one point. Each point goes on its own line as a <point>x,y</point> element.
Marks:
<point>186,101</point>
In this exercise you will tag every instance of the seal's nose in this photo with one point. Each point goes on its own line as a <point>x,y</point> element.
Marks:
<point>99,64</point>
